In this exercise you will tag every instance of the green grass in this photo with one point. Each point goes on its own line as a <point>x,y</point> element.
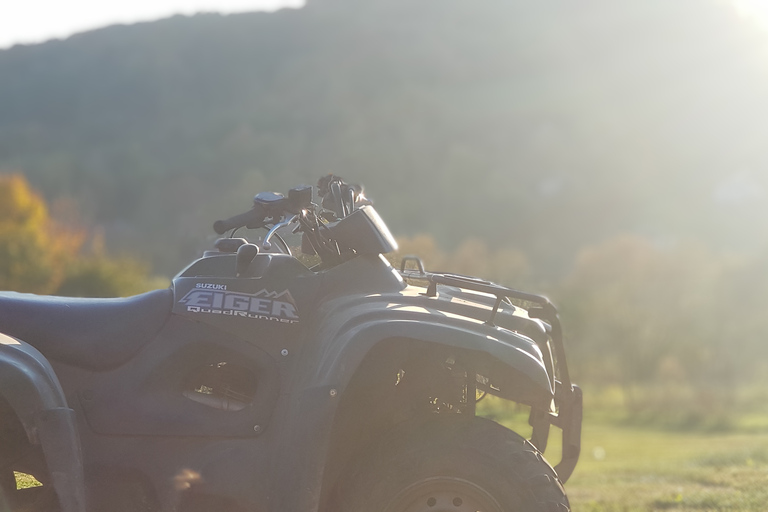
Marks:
<point>24,481</point>
<point>626,468</point>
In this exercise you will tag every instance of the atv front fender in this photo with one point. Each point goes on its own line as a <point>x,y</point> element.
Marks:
<point>344,334</point>
<point>351,332</point>
<point>29,385</point>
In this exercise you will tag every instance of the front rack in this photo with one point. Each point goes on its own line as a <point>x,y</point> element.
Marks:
<point>569,416</point>
<point>537,306</point>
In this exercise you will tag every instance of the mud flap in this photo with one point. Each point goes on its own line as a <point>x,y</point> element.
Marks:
<point>571,413</point>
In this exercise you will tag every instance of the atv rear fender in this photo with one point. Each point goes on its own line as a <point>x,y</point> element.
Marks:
<point>30,386</point>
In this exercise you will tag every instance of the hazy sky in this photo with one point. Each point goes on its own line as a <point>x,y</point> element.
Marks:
<point>34,21</point>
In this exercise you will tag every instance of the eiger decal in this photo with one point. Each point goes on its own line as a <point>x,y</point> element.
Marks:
<point>263,305</point>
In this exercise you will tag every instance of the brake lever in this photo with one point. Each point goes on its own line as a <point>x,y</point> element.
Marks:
<point>266,244</point>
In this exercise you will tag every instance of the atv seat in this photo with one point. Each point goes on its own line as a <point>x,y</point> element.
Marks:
<point>97,334</point>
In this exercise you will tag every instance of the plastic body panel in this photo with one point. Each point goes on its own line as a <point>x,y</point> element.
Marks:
<point>149,396</point>
<point>353,325</point>
<point>365,232</point>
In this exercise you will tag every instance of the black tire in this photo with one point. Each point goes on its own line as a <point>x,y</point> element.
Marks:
<point>7,481</point>
<point>7,486</point>
<point>451,464</point>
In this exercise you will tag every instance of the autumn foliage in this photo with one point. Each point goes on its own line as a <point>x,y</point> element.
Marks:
<point>34,251</point>
<point>40,255</point>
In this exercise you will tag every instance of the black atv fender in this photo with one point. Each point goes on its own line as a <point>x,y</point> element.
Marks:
<point>348,330</point>
<point>30,386</point>
<point>344,357</point>
<point>351,326</point>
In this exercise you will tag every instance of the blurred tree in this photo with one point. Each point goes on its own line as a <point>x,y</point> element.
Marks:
<point>676,327</point>
<point>659,317</point>
<point>423,246</point>
<point>636,305</point>
<point>471,257</point>
<point>510,120</point>
<point>39,255</point>
<point>100,276</point>
<point>34,252</point>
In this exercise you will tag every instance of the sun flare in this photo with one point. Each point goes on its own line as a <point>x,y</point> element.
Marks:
<point>753,10</point>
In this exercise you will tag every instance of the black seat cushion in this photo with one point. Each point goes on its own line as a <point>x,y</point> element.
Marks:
<point>90,333</point>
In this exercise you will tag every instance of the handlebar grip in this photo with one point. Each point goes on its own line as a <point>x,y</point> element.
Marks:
<point>253,216</point>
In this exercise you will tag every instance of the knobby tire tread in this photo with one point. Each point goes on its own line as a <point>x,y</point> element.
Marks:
<point>510,466</point>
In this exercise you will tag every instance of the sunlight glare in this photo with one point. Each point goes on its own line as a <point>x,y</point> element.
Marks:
<point>753,10</point>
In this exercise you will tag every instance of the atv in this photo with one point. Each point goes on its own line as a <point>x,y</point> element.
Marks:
<point>264,382</point>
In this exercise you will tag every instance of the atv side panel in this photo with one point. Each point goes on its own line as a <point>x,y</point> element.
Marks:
<point>171,387</point>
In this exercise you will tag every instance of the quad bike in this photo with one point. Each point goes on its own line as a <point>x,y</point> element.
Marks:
<point>259,383</point>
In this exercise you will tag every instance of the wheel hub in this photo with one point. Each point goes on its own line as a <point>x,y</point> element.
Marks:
<point>444,494</point>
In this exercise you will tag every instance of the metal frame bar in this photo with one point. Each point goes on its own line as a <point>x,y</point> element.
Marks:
<point>545,311</point>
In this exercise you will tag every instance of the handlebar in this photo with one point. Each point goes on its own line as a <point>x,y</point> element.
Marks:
<point>268,207</point>
<point>337,196</point>
<point>252,218</point>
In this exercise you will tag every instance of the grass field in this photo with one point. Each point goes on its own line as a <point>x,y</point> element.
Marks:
<point>631,469</point>
<point>626,469</point>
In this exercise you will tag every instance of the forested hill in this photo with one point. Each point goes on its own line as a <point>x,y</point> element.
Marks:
<point>502,119</point>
